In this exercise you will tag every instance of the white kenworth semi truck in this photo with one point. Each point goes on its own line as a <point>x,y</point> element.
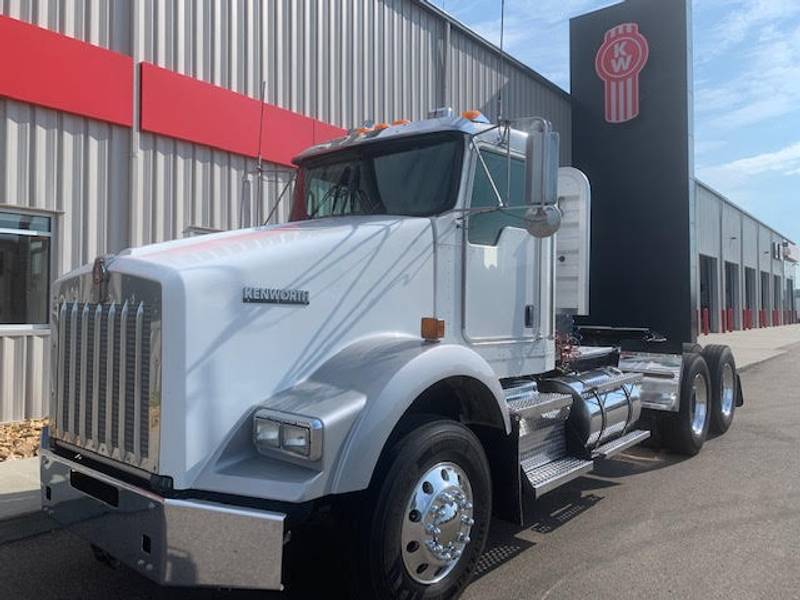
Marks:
<point>386,366</point>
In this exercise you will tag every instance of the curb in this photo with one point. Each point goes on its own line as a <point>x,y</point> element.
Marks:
<point>761,361</point>
<point>782,351</point>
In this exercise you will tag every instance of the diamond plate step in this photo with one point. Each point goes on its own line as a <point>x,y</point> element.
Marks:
<point>616,446</point>
<point>550,476</point>
<point>538,403</point>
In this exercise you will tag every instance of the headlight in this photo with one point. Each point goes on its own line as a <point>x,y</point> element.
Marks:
<point>299,436</point>
<point>296,439</point>
<point>267,433</point>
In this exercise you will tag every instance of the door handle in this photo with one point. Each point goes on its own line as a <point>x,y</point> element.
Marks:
<point>530,316</point>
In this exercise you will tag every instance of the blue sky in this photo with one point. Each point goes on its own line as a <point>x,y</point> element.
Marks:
<point>747,88</point>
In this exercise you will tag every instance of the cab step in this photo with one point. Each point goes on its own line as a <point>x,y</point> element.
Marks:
<point>616,446</point>
<point>537,403</point>
<point>544,478</point>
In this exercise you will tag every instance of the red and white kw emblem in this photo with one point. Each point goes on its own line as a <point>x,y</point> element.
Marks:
<point>618,63</point>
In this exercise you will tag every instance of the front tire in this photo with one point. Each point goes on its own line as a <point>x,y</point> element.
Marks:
<point>686,431</point>
<point>430,520</point>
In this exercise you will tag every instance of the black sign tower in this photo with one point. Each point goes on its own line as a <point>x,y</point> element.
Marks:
<point>631,78</point>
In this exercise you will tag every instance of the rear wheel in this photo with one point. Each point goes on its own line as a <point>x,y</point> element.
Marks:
<point>686,431</point>
<point>722,367</point>
<point>431,515</point>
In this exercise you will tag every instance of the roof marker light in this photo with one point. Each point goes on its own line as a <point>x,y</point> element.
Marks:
<point>472,115</point>
<point>381,127</point>
<point>401,122</point>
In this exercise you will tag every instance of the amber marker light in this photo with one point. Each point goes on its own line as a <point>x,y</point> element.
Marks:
<point>471,114</point>
<point>432,329</point>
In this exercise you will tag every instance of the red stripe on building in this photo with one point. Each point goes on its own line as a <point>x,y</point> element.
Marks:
<point>42,67</point>
<point>178,106</point>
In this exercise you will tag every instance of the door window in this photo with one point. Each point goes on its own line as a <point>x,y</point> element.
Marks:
<point>485,228</point>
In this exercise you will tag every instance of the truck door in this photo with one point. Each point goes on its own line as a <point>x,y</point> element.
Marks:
<point>500,266</point>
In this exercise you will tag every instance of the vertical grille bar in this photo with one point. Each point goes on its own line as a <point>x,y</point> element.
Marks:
<point>81,415</point>
<point>112,315</point>
<point>98,314</point>
<point>137,384</point>
<point>106,391</point>
<point>73,359</point>
<point>123,363</point>
<point>62,326</point>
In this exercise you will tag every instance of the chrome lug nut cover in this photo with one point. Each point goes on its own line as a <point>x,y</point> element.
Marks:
<point>433,544</point>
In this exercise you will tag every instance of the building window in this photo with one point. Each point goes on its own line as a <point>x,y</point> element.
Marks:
<point>24,268</point>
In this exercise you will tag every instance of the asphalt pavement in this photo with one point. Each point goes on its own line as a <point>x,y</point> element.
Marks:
<point>724,524</point>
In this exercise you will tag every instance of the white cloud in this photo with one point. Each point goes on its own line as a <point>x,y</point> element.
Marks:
<point>536,31</point>
<point>763,59</point>
<point>744,18</point>
<point>785,161</point>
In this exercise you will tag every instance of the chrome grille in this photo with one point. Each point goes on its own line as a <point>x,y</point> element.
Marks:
<point>107,386</point>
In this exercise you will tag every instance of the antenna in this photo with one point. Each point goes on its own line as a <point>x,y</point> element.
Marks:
<point>502,60</point>
<point>246,212</point>
<point>259,163</point>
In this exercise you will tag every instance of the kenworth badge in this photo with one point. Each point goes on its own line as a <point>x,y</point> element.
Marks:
<point>619,61</point>
<point>274,296</point>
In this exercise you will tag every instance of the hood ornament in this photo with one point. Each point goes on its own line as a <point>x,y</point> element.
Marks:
<point>100,279</point>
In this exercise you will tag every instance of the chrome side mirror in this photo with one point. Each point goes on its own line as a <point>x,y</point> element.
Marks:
<point>543,218</point>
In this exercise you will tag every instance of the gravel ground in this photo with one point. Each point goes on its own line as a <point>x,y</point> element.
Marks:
<point>20,440</point>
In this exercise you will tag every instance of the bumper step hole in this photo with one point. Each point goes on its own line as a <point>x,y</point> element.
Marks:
<point>95,488</point>
<point>48,493</point>
<point>146,544</point>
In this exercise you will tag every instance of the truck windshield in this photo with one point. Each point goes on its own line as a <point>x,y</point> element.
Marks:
<point>415,177</point>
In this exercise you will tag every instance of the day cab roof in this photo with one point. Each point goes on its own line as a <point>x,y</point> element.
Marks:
<point>470,123</point>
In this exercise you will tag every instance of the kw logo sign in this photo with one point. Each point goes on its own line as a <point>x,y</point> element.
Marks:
<point>618,63</point>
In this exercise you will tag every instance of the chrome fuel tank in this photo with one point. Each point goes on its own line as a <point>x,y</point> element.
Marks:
<point>606,403</point>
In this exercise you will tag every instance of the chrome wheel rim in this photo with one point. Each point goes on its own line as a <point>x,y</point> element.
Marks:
<point>728,391</point>
<point>437,523</point>
<point>699,404</point>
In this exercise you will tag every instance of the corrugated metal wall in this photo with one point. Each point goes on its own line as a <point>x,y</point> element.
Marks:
<point>23,369</point>
<point>341,61</point>
<point>750,242</point>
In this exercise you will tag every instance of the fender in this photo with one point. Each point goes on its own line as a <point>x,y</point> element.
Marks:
<point>391,375</point>
<point>360,394</point>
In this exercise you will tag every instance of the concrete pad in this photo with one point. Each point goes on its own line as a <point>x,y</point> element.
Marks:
<point>755,345</point>
<point>19,487</point>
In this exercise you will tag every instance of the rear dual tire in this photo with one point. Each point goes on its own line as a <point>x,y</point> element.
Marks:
<point>708,392</point>
<point>724,386</point>
<point>686,431</point>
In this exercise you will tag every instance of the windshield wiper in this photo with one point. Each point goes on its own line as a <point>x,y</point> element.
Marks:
<point>333,192</point>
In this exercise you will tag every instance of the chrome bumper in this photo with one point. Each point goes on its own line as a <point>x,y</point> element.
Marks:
<point>173,542</point>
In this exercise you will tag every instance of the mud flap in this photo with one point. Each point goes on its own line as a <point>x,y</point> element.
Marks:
<point>739,393</point>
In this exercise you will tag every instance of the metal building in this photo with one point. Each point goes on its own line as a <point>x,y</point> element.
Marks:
<point>746,268</point>
<point>110,136</point>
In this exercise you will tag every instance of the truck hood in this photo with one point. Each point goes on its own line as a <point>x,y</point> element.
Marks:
<point>223,357</point>
<point>242,245</point>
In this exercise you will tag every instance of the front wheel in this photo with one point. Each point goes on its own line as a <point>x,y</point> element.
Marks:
<point>431,515</point>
